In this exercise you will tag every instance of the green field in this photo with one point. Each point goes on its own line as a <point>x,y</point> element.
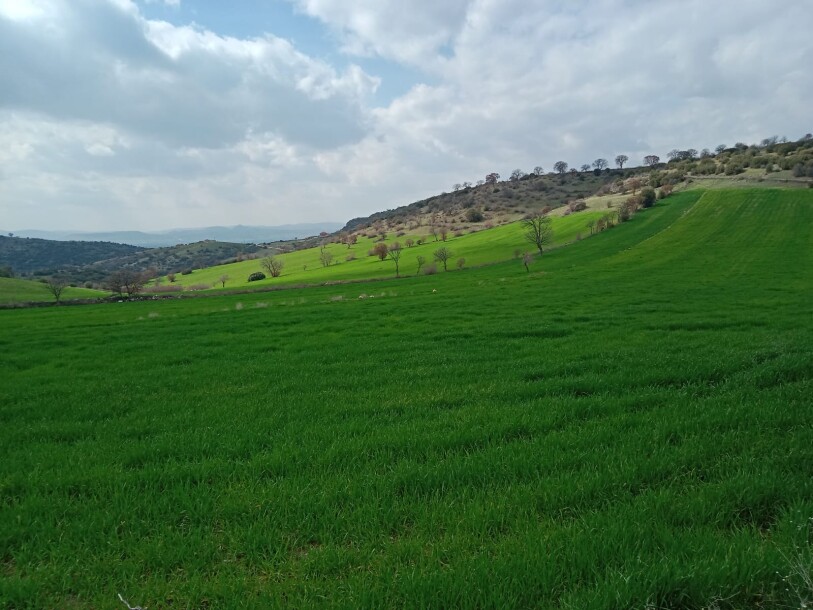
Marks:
<point>28,291</point>
<point>627,426</point>
<point>304,266</point>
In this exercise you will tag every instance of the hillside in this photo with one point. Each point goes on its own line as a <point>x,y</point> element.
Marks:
<point>626,426</point>
<point>16,291</point>
<point>27,254</point>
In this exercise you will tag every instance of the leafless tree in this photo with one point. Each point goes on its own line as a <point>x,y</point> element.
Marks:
<point>171,278</point>
<point>560,167</point>
<point>394,253</point>
<point>325,258</point>
<point>442,255</point>
<point>620,160</point>
<point>461,262</point>
<point>223,279</point>
<point>516,175</point>
<point>444,233</point>
<point>527,259</point>
<point>538,230</point>
<point>538,171</point>
<point>380,250</point>
<point>492,178</point>
<point>410,242</point>
<point>56,285</point>
<point>421,262</point>
<point>652,160</point>
<point>600,164</point>
<point>274,264</point>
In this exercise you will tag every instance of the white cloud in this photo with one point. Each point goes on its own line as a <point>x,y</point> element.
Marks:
<point>137,123</point>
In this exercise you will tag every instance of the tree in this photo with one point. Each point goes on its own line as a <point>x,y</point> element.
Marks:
<point>591,224</point>
<point>421,262</point>
<point>527,259</point>
<point>467,185</point>
<point>223,279</point>
<point>647,197</point>
<point>444,233</point>
<point>394,253</point>
<point>457,186</point>
<point>720,148</point>
<point>673,154</point>
<point>55,286</point>
<point>410,242</point>
<point>538,230</point>
<point>351,240</point>
<point>620,160</point>
<point>461,262</point>
<point>689,154</point>
<point>633,184</point>
<point>538,171</point>
<point>585,168</point>
<point>380,250</point>
<point>171,278</point>
<point>652,160</point>
<point>126,280</point>
<point>442,255</point>
<point>325,258</point>
<point>492,178</point>
<point>600,164</point>
<point>516,175</point>
<point>274,265</point>
<point>560,167</point>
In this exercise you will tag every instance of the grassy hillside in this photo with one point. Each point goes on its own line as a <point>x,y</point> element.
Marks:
<point>304,266</point>
<point>28,291</point>
<point>627,426</point>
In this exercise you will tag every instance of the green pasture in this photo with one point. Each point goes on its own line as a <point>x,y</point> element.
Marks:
<point>629,425</point>
<point>29,291</point>
<point>305,267</point>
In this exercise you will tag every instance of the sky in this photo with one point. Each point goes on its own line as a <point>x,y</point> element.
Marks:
<point>154,114</point>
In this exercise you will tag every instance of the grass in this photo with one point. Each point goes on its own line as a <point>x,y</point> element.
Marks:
<point>626,426</point>
<point>304,266</point>
<point>27,291</point>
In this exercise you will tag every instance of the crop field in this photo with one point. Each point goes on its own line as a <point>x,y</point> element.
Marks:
<point>305,267</point>
<point>629,425</point>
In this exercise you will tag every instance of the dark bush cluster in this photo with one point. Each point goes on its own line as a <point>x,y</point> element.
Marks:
<point>256,276</point>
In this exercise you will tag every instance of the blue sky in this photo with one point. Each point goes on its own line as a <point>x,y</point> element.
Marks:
<point>149,114</point>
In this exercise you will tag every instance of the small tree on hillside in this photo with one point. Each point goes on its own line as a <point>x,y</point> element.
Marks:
<point>274,265</point>
<point>56,285</point>
<point>325,258</point>
<point>652,160</point>
<point>421,262</point>
<point>394,253</point>
<point>538,230</point>
<point>600,164</point>
<point>527,259</point>
<point>223,279</point>
<point>560,167</point>
<point>620,160</point>
<point>442,255</point>
<point>380,250</point>
<point>444,233</point>
<point>492,178</point>
<point>538,171</point>
<point>648,197</point>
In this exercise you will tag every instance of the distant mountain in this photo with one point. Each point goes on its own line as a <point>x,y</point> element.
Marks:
<point>237,234</point>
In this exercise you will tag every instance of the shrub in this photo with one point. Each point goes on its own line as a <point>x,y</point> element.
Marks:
<point>256,276</point>
<point>187,272</point>
<point>474,215</point>
<point>350,257</point>
<point>647,197</point>
<point>430,269</point>
<point>461,262</point>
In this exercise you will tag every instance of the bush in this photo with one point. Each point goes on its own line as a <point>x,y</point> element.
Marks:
<point>648,197</point>
<point>256,276</point>
<point>461,262</point>
<point>430,269</point>
<point>474,215</point>
<point>187,272</point>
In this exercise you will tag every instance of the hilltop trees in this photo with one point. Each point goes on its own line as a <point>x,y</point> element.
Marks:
<point>652,160</point>
<point>538,230</point>
<point>325,258</point>
<point>600,164</point>
<point>560,167</point>
<point>620,160</point>
<point>273,265</point>
<point>492,178</point>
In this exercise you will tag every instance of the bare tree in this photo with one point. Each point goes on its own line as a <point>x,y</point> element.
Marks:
<point>457,186</point>
<point>380,250</point>
<point>56,285</point>
<point>527,259</point>
<point>325,258</point>
<point>591,224</point>
<point>421,262</point>
<point>442,255</point>
<point>585,168</point>
<point>394,253</point>
<point>652,160</point>
<point>620,160</point>
<point>492,178</point>
<point>538,171</point>
<point>444,233</point>
<point>223,279</point>
<point>538,230</point>
<point>126,281</point>
<point>560,167</point>
<point>410,242</point>
<point>171,278</point>
<point>461,262</point>
<point>516,175</point>
<point>274,265</point>
<point>600,164</point>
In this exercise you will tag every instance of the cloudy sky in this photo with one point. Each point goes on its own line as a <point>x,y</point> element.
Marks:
<point>151,114</point>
